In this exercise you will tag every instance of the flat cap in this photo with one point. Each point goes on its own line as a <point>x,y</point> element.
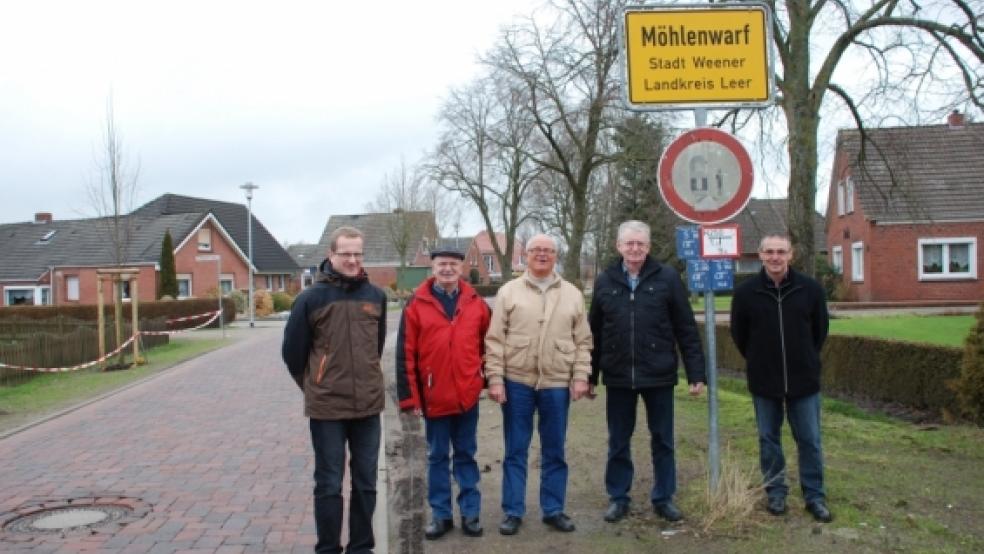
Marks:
<point>447,253</point>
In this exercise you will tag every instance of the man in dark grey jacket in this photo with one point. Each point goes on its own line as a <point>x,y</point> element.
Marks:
<point>639,315</point>
<point>779,323</point>
<point>332,344</point>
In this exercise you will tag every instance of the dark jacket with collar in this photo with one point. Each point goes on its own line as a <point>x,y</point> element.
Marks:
<point>332,344</point>
<point>780,331</point>
<point>636,334</point>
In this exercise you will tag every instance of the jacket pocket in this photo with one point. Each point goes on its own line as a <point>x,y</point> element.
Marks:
<point>564,351</point>
<point>516,351</point>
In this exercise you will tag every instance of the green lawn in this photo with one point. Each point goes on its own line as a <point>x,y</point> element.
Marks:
<point>947,330</point>
<point>50,392</point>
<point>722,303</point>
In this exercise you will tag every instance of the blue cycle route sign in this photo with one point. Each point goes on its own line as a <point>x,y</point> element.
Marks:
<point>710,274</point>
<point>688,242</point>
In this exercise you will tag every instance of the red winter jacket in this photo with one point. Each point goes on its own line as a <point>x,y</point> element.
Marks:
<point>439,360</point>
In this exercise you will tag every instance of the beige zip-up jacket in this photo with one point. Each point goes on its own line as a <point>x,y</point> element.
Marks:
<point>539,339</point>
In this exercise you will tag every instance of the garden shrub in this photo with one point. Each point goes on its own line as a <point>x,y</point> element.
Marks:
<point>263,302</point>
<point>487,290</point>
<point>282,301</point>
<point>969,387</point>
<point>474,276</point>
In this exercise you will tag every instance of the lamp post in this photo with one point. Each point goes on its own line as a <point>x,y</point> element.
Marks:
<point>249,188</point>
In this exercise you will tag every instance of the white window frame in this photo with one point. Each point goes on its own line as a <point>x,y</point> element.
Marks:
<point>837,258</point>
<point>72,288</point>
<point>946,242</point>
<point>840,198</point>
<point>204,240</point>
<point>849,195</point>
<point>185,277</point>
<point>37,297</point>
<point>857,262</point>
<point>227,278</point>
<point>269,282</point>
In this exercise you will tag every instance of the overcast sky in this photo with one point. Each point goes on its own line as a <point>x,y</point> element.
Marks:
<point>314,101</point>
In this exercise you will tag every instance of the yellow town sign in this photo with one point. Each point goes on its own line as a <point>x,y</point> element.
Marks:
<point>697,56</point>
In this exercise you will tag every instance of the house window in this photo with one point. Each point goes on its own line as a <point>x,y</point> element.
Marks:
<point>849,195</point>
<point>19,296</point>
<point>748,266</point>
<point>72,288</point>
<point>489,263</point>
<point>45,295</point>
<point>227,284</point>
<point>205,240</point>
<point>840,198</point>
<point>837,259</point>
<point>184,285</point>
<point>125,286</point>
<point>269,282</point>
<point>857,261</point>
<point>948,258</point>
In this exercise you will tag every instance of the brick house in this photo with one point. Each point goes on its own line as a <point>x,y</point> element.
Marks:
<point>482,255</point>
<point>54,262</point>
<point>764,216</point>
<point>384,232</point>
<point>906,212</point>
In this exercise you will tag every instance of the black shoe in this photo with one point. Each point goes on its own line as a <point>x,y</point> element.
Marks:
<point>437,528</point>
<point>776,505</point>
<point>559,522</point>
<point>818,509</point>
<point>471,527</point>
<point>616,511</point>
<point>510,525</point>
<point>668,511</point>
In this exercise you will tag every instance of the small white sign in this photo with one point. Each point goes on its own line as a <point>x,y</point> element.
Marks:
<point>722,241</point>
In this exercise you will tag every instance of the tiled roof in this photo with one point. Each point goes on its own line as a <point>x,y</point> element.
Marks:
<point>85,242</point>
<point>306,255</point>
<point>763,216</point>
<point>926,173</point>
<point>460,244</point>
<point>379,230</point>
<point>268,255</point>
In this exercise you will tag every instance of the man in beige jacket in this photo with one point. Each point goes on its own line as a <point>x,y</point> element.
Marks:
<point>537,359</point>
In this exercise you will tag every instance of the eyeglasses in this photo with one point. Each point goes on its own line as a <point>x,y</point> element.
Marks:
<point>538,251</point>
<point>771,252</point>
<point>353,255</point>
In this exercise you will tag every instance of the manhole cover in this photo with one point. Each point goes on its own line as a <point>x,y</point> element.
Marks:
<point>61,520</point>
<point>75,514</point>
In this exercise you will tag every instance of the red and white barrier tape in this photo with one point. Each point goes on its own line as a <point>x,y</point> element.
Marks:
<point>214,315</point>
<point>74,367</point>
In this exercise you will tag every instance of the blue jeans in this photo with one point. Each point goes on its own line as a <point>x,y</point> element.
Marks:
<point>517,427</point>
<point>443,433</point>
<point>620,409</point>
<point>804,421</point>
<point>329,438</point>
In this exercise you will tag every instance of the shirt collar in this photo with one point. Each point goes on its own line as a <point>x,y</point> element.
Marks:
<point>438,289</point>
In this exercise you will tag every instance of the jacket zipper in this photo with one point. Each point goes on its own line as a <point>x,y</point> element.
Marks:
<point>632,332</point>
<point>321,369</point>
<point>782,344</point>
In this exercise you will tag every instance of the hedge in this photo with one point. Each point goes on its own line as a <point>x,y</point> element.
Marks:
<point>911,374</point>
<point>167,309</point>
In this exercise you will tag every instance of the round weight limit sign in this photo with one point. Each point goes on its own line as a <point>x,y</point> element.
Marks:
<point>706,176</point>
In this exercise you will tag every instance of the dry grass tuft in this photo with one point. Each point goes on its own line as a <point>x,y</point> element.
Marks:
<point>731,507</point>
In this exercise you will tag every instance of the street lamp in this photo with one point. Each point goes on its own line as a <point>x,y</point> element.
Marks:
<point>249,188</point>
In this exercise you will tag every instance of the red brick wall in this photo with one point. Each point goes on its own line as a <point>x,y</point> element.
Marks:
<point>382,277</point>
<point>891,254</point>
<point>146,285</point>
<point>203,274</point>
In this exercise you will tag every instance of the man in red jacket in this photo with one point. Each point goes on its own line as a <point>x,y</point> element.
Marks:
<point>439,375</point>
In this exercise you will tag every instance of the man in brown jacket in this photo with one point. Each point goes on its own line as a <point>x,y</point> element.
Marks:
<point>538,358</point>
<point>332,344</point>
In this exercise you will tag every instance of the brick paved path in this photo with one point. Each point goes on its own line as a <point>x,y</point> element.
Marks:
<point>218,447</point>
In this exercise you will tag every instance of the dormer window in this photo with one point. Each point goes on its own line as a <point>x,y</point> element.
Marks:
<point>47,237</point>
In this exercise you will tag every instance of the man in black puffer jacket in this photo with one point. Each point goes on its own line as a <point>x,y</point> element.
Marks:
<point>639,315</point>
<point>779,323</point>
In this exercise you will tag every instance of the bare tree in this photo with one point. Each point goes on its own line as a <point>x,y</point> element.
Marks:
<point>406,195</point>
<point>483,156</point>
<point>921,61</point>
<point>567,69</point>
<point>112,195</point>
